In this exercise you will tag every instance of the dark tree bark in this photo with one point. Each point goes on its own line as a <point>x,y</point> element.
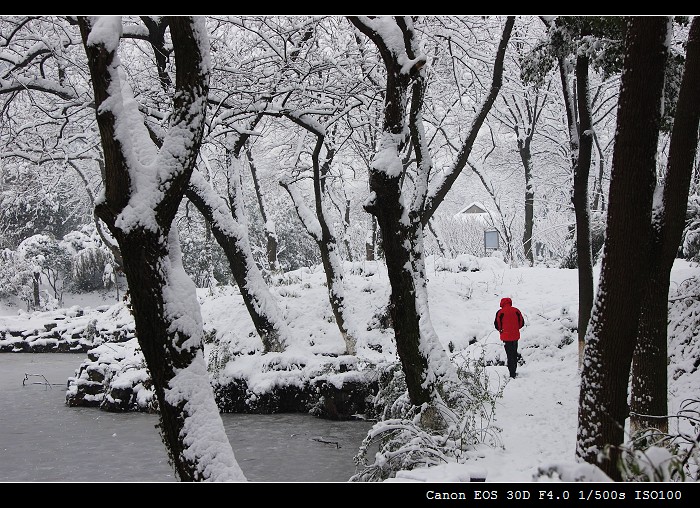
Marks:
<point>611,337</point>
<point>578,117</point>
<point>156,37</point>
<point>166,315</point>
<point>649,391</point>
<point>371,239</point>
<point>580,199</point>
<point>388,208</point>
<point>526,159</point>
<point>230,232</point>
<point>346,227</point>
<point>598,196</point>
<point>233,239</point>
<point>318,228</point>
<point>523,121</point>
<point>270,233</point>
<point>36,276</point>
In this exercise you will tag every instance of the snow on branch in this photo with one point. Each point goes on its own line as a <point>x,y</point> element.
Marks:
<point>311,223</point>
<point>220,214</point>
<point>389,38</point>
<point>38,84</point>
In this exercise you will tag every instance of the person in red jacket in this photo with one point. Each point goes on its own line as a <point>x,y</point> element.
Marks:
<point>509,320</point>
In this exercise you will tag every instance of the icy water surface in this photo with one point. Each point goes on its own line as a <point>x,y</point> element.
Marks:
<point>43,440</point>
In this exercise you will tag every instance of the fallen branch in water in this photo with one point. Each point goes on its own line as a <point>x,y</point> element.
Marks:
<point>326,441</point>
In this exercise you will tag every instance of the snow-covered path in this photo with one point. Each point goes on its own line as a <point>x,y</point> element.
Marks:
<point>537,416</point>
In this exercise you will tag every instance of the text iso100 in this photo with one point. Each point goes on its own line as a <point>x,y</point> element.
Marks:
<point>645,495</point>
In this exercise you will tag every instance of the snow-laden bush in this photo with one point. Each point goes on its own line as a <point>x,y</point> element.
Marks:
<point>92,263</point>
<point>16,277</point>
<point>404,443</point>
<point>49,258</point>
<point>27,209</point>
<point>654,456</point>
<point>469,263</point>
<point>690,245</point>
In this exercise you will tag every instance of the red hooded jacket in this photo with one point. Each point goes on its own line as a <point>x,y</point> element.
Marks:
<point>509,320</point>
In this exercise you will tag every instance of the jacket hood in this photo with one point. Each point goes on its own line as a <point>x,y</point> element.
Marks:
<point>506,302</point>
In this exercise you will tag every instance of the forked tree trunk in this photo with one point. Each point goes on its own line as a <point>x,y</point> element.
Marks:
<point>611,336</point>
<point>163,298</point>
<point>649,391</point>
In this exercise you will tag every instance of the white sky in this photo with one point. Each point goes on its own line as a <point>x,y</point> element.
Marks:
<point>538,412</point>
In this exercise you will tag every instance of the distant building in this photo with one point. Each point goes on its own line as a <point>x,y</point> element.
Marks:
<point>478,220</point>
<point>474,211</point>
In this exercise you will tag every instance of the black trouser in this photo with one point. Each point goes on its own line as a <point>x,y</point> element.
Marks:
<point>512,354</point>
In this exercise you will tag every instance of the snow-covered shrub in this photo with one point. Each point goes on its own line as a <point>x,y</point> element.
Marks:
<point>403,442</point>
<point>690,245</point>
<point>295,249</point>
<point>88,269</point>
<point>50,258</point>
<point>16,277</point>
<point>403,446</point>
<point>653,456</point>
<point>27,209</point>
<point>220,354</point>
<point>90,260</point>
<point>204,261</point>
<point>469,263</point>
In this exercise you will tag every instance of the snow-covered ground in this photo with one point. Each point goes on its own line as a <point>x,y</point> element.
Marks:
<point>537,414</point>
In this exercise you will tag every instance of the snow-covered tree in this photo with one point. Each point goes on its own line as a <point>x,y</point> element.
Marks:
<point>402,213</point>
<point>144,185</point>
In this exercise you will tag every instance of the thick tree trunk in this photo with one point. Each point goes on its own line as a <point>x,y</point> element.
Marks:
<point>649,392</point>
<point>163,298</point>
<point>396,240</point>
<point>611,337</point>
<point>387,205</point>
<point>579,196</point>
<point>147,258</point>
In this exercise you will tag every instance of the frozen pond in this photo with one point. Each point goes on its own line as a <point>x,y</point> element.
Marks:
<point>43,440</point>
